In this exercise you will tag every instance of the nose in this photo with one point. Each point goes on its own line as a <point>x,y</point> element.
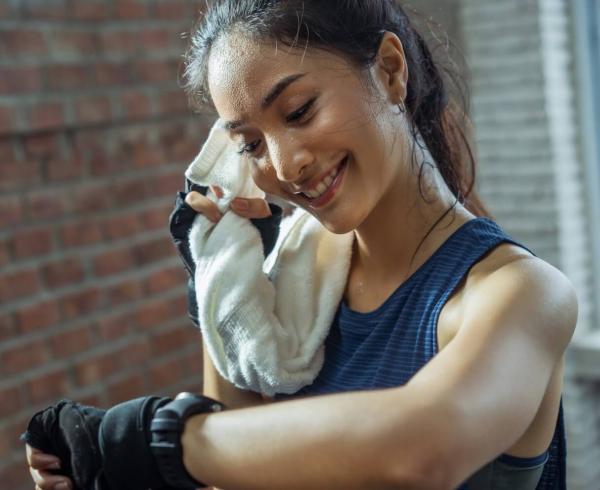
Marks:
<point>291,162</point>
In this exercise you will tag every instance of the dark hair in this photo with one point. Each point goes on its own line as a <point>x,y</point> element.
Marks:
<point>353,29</point>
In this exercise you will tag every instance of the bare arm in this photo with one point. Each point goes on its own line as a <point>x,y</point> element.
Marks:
<point>426,434</point>
<point>217,387</point>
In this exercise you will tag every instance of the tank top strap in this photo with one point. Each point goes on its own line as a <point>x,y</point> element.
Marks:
<point>453,260</point>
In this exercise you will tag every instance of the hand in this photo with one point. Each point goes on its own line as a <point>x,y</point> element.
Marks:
<point>43,467</point>
<point>96,449</point>
<point>246,208</point>
<point>67,433</point>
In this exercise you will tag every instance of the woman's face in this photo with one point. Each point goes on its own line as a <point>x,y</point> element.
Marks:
<point>323,141</point>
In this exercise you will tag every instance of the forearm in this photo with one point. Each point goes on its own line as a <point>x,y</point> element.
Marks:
<point>352,440</point>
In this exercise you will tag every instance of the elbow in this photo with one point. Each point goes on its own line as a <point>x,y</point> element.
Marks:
<point>430,476</point>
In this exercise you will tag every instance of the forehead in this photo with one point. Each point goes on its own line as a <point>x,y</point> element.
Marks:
<point>241,71</point>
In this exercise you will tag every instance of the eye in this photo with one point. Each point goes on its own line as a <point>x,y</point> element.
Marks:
<point>249,148</point>
<point>296,115</point>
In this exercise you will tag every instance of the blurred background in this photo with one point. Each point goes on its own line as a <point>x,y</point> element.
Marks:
<point>95,134</point>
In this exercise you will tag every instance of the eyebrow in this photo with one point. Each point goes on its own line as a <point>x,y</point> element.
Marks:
<point>268,100</point>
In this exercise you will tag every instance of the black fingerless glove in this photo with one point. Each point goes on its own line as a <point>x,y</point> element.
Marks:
<point>181,221</point>
<point>69,431</point>
<point>102,449</point>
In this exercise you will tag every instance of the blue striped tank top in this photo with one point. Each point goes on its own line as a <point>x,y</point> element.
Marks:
<point>387,346</point>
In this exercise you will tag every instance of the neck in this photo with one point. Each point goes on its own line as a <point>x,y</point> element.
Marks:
<point>406,216</point>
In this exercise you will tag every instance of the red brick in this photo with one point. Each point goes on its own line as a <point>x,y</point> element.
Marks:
<point>173,9</point>
<point>136,105</point>
<point>123,226</point>
<point>18,285</point>
<point>101,163</point>
<point>7,148</point>
<point>63,272</point>
<point>153,251</point>
<point>15,475</point>
<point>68,76</point>
<point>7,326</point>
<point>92,198</point>
<point>141,152</point>
<point>43,205</point>
<point>20,79</point>
<point>96,369</point>
<point>45,9</point>
<point>96,11</point>
<point>130,387</point>
<point>183,149</point>
<point>75,43</point>
<point>10,400</point>
<point>11,211</point>
<point>62,169</point>
<point>71,342</point>
<point>116,327</point>
<point>107,73</point>
<point>173,102</point>
<point>80,234</point>
<point>37,316</point>
<point>16,174</point>
<point>22,41</point>
<point>93,110</point>
<point>81,303</point>
<point>45,116</point>
<point>179,307</point>
<point>167,373</point>
<point>48,387</point>
<point>122,42</point>
<point>156,39</point>
<point>192,362</point>
<point>158,218</point>
<point>113,262</point>
<point>32,243</point>
<point>172,340</point>
<point>42,146</point>
<point>134,353</point>
<point>153,314</point>
<point>4,255</point>
<point>130,191</point>
<point>156,71</point>
<point>9,435</point>
<point>8,119</point>
<point>165,184</point>
<point>124,292</point>
<point>164,280</point>
<point>23,357</point>
<point>130,9</point>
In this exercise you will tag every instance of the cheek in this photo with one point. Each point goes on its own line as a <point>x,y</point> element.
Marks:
<point>266,179</point>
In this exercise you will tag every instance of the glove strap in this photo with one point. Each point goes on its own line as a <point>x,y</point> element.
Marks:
<point>167,427</point>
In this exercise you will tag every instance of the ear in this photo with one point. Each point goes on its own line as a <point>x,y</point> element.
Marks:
<point>391,69</point>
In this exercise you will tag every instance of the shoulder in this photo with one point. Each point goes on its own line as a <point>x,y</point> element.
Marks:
<point>514,287</point>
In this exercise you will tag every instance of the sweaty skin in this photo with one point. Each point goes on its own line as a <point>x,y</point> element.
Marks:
<point>510,326</point>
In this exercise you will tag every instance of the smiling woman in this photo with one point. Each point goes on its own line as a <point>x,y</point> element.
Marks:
<point>443,366</point>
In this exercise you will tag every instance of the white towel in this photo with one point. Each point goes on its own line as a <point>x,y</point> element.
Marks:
<point>264,322</point>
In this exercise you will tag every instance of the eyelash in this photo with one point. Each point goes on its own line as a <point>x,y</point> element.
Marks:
<point>293,117</point>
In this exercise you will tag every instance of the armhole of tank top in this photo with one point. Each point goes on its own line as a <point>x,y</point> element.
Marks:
<point>525,463</point>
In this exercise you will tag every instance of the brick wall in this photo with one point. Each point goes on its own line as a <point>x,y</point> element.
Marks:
<point>531,173</point>
<point>94,137</point>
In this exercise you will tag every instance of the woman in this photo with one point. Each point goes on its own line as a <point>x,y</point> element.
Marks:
<point>449,342</point>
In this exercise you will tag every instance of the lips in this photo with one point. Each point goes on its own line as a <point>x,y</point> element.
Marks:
<point>331,191</point>
<point>313,186</point>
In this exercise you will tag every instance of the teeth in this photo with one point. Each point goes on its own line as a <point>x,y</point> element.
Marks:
<point>324,185</point>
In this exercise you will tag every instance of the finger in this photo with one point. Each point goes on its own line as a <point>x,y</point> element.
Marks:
<point>40,460</point>
<point>251,208</point>
<point>48,481</point>
<point>217,191</point>
<point>203,205</point>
